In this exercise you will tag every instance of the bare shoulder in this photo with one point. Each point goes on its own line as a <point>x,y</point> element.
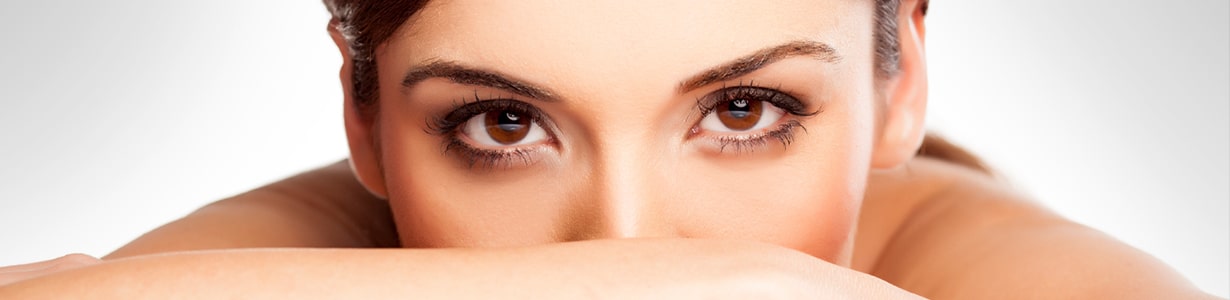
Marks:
<point>324,207</point>
<point>898,201</point>
<point>946,231</point>
<point>927,195</point>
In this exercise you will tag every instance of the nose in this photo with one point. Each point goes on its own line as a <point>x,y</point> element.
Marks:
<point>624,198</point>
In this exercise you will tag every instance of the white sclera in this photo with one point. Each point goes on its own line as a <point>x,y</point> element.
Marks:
<point>476,129</point>
<point>768,116</point>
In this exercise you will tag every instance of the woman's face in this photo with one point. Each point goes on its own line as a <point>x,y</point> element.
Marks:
<point>506,123</point>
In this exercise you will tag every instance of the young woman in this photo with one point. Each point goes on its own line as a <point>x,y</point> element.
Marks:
<point>613,148</point>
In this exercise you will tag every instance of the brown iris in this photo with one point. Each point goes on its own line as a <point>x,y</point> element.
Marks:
<point>506,127</point>
<point>740,114</point>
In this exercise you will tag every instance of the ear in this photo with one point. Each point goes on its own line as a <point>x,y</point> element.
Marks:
<point>906,93</point>
<point>364,158</point>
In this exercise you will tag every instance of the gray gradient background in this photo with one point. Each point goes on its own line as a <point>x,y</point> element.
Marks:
<point>119,116</point>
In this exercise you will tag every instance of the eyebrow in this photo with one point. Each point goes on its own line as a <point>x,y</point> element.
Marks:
<point>474,76</point>
<point>461,74</point>
<point>759,59</point>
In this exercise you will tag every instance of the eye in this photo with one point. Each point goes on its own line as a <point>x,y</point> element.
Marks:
<point>502,128</point>
<point>499,133</point>
<point>740,115</point>
<point>744,118</point>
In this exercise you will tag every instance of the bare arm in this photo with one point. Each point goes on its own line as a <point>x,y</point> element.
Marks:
<point>325,207</point>
<point>975,239</point>
<point>617,269</point>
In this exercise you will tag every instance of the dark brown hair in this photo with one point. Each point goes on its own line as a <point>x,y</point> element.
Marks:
<point>366,24</point>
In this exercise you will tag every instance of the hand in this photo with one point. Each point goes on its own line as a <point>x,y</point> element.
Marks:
<point>11,274</point>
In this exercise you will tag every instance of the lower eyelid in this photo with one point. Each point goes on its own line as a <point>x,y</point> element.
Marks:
<point>492,158</point>
<point>785,132</point>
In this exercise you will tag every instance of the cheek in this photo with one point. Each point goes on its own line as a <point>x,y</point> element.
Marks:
<point>816,211</point>
<point>813,215</point>
<point>808,201</point>
<point>437,202</point>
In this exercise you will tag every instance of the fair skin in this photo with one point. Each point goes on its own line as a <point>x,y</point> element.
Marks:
<point>872,220</point>
<point>614,143</point>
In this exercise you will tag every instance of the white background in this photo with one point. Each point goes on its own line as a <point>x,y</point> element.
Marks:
<point>119,116</point>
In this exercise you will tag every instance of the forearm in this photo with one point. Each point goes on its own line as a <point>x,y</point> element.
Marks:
<point>618,269</point>
<point>276,273</point>
<point>324,207</point>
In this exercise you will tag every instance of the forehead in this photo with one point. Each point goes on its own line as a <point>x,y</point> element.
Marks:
<point>645,41</point>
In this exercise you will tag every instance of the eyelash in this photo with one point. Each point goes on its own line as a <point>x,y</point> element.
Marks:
<point>448,125</point>
<point>784,133</point>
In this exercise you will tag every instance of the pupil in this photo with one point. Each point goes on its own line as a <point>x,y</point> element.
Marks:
<point>740,114</point>
<point>739,108</point>
<point>506,127</point>
<point>509,121</point>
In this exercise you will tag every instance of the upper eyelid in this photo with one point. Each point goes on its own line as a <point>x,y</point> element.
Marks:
<point>706,103</point>
<point>467,110</point>
<point>461,113</point>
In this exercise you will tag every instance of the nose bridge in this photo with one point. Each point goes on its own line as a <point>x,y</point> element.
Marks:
<point>624,190</point>
<point>624,197</point>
